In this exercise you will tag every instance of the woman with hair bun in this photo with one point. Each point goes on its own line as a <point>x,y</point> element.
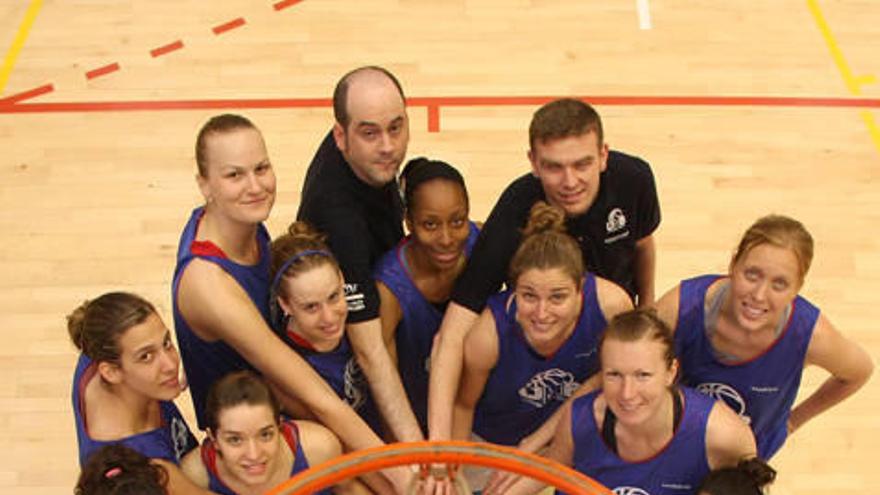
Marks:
<point>746,337</point>
<point>534,344</point>
<point>415,279</point>
<point>749,477</point>
<point>125,382</point>
<point>309,311</point>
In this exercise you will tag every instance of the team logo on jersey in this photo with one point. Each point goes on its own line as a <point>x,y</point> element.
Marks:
<point>179,437</point>
<point>354,298</point>
<point>629,490</point>
<point>548,386</point>
<point>722,391</point>
<point>616,221</point>
<point>353,384</point>
<point>615,226</point>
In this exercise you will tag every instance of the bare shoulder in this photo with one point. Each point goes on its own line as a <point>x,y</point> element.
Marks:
<point>728,438</point>
<point>481,343</point>
<point>194,469</point>
<point>842,357</point>
<point>667,307</point>
<point>612,298</point>
<point>318,442</point>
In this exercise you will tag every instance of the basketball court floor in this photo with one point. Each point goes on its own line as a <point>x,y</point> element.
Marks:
<point>742,108</point>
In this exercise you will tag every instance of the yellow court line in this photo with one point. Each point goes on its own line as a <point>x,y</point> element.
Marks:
<point>853,83</point>
<point>9,61</point>
<point>873,129</point>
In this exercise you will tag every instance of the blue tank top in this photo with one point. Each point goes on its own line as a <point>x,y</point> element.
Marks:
<point>340,370</point>
<point>418,324</point>
<point>525,389</point>
<point>208,452</point>
<point>678,469</point>
<point>171,441</point>
<point>206,362</point>
<point>762,389</point>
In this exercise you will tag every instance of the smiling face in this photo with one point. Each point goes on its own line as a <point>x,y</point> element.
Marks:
<point>239,183</point>
<point>248,442</point>
<point>548,303</point>
<point>148,361</point>
<point>636,378</point>
<point>570,169</point>
<point>438,221</point>
<point>763,283</point>
<point>375,139</point>
<point>316,304</point>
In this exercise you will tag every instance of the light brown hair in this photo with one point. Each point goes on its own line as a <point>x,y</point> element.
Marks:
<point>638,324</point>
<point>546,245</point>
<point>219,124</point>
<point>96,326</point>
<point>779,231</point>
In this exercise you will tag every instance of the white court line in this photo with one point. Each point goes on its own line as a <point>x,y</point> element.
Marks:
<point>644,10</point>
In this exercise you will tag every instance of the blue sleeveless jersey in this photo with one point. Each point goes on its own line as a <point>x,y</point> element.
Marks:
<point>761,390</point>
<point>418,325</point>
<point>525,389</point>
<point>171,441</point>
<point>678,469</point>
<point>206,362</point>
<point>340,370</point>
<point>289,432</point>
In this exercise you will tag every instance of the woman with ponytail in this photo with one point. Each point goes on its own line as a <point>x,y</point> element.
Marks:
<point>222,282</point>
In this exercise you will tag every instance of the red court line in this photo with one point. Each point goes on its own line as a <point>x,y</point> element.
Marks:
<point>433,118</point>
<point>285,3</point>
<point>165,49</point>
<point>441,101</point>
<point>102,71</point>
<point>26,95</point>
<point>228,26</point>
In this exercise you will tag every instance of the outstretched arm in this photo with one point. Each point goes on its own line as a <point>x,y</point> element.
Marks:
<point>849,365</point>
<point>446,362</point>
<point>560,450</point>
<point>480,357</point>
<point>388,394</point>
<point>218,308</point>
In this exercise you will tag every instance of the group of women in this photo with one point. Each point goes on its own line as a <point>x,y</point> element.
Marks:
<point>559,363</point>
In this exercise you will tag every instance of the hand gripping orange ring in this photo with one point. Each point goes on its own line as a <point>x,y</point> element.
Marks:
<point>448,452</point>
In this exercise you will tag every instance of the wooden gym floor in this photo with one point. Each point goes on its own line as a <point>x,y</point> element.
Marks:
<point>742,108</point>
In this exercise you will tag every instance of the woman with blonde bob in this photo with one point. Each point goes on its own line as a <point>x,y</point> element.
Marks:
<point>746,337</point>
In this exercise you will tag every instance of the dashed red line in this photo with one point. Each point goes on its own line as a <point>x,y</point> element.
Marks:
<point>165,49</point>
<point>228,26</point>
<point>283,4</point>
<point>102,71</point>
<point>26,95</point>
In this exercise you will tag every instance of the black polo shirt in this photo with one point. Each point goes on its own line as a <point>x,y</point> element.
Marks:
<point>625,210</point>
<point>361,223</point>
